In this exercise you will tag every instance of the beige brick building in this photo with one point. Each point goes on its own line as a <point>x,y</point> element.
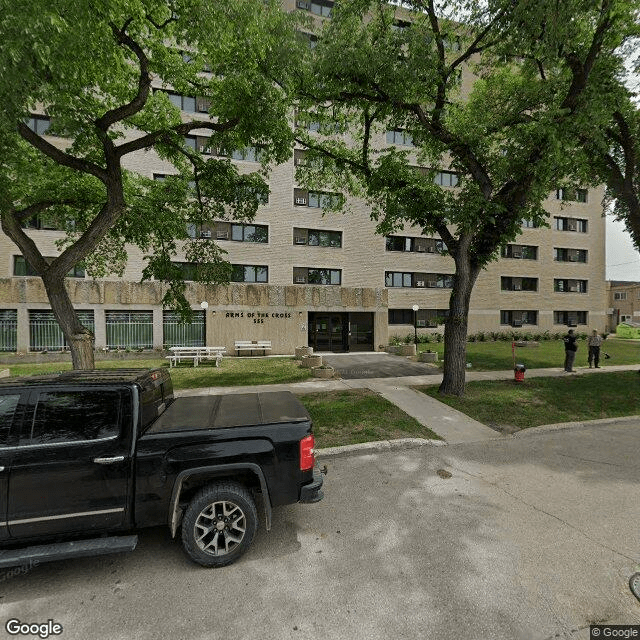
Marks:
<point>329,281</point>
<point>624,302</point>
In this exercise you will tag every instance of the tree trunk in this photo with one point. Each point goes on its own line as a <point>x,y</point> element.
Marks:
<point>78,337</point>
<point>455,330</point>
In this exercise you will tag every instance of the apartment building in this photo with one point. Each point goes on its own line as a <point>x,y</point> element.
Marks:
<point>624,302</point>
<point>304,276</point>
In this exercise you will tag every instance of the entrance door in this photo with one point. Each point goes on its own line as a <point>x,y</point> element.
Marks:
<point>328,332</point>
<point>361,332</point>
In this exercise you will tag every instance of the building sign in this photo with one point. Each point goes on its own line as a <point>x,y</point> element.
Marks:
<point>258,317</point>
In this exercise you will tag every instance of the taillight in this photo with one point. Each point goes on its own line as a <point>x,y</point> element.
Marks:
<point>307,457</point>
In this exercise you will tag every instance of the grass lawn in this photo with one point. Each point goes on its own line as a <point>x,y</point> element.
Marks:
<point>496,356</point>
<point>351,417</point>
<point>505,403</point>
<point>232,371</point>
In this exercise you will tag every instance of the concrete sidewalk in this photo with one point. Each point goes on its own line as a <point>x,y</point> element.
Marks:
<point>451,425</point>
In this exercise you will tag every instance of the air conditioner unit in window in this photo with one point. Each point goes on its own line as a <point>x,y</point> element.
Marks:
<point>421,249</point>
<point>517,287</point>
<point>516,323</point>
<point>420,283</point>
<point>300,240</point>
<point>432,283</point>
<point>205,234</point>
<point>299,280</point>
<point>301,201</point>
<point>573,258</point>
<point>302,4</point>
<point>204,148</point>
<point>517,254</point>
<point>574,289</point>
<point>571,227</point>
<point>430,249</point>
<point>222,235</point>
<point>300,162</point>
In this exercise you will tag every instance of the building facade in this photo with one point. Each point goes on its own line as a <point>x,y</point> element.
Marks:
<point>624,302</point>
<point>327,280</point>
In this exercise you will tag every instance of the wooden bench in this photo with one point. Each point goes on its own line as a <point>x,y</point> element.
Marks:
<point>252,345</point>
<point>195,354</point>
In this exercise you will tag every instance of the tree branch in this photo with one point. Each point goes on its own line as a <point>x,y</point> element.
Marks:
<point>59,156</point>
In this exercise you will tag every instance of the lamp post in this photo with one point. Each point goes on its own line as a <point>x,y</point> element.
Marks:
<point>415,324</point>
<point>204,305</point>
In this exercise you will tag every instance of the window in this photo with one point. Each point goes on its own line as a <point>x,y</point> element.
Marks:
<point>324,238</point>
<point>570,318</point>
<point>76,416</point>
<point>45,333</point>
<point>315,199</point>
<point>529,224</point>
<point>8,331</point>
<point>249,233</point>
<point>520,252</point>
<point>399,137</point>
<point>398,279</point>
<point>317,7</point>
<point>22,268</point>
<point>518,284</point>
<point>176,333</point>
<point>519,318</point>
<point>248,154</point>
<point>570,224</point>
<point>569,255</point>
<point>249,273</point>
<point>184,103</point>
<point>419,245</point>
<point>8,404</point>
<point>129,329</point>
<point>620,295</point>
<point>424,317</point>
<point>309,275</point>
<point>575,195</point>
<point>446,178</point>
<point>38,124</point>
<point>569,286</point>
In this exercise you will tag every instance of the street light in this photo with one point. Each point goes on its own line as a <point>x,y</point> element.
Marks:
<point>204,305</point>
<point>415,324</point>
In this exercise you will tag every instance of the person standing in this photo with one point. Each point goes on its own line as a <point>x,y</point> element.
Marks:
<point>594,343</point>
<point>570,348</point>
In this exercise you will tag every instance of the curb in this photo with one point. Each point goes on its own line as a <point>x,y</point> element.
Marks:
<point>379,445</point>
<point>567,426</point>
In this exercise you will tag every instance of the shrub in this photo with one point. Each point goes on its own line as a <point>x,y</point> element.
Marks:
<point>395,341</point>
<point>408,339</point>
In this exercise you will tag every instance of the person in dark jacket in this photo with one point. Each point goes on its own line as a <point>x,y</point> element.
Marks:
<point>570,348</point>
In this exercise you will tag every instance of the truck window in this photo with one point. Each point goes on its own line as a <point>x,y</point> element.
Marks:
<point>8,404</point>
<point>75,416</point>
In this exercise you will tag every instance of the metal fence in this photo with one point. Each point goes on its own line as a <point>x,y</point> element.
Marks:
<point>8,330</point>
<point>129,329</point>
<point>45,333</point>
<point>182,334</point>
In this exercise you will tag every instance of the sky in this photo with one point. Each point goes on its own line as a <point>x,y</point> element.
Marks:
<point>623,261</point>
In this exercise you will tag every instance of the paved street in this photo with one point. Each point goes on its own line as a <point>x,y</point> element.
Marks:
<point>531,537</point>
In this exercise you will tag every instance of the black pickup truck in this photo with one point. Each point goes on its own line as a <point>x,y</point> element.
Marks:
<point>88,457</point>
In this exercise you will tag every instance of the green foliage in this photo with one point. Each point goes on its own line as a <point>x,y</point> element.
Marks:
<point>101,71</point>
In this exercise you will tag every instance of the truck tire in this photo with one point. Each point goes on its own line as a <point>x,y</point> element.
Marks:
<point>219,524</point>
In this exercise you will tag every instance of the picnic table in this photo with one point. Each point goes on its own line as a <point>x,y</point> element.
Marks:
<point>195,354</point>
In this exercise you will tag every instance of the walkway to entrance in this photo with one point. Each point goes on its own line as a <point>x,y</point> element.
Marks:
<point>376,365</point>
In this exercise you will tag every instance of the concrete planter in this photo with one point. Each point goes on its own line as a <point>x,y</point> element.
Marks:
<point>309,362</point>
<point>323,372</point>
<point>428,356</point>
<point>303,351</point>
<point>407,350</point>
<point>392,348</point>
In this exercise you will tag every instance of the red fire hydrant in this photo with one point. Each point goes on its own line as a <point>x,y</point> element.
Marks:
<point>518,369</point>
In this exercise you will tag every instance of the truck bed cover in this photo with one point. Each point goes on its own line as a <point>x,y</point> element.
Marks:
<point>232,410</point>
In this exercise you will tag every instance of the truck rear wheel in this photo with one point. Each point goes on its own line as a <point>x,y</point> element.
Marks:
<point>219,524</point>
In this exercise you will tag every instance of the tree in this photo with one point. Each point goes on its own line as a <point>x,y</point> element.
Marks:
<point>110,76</point>
<point>537,67</point>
